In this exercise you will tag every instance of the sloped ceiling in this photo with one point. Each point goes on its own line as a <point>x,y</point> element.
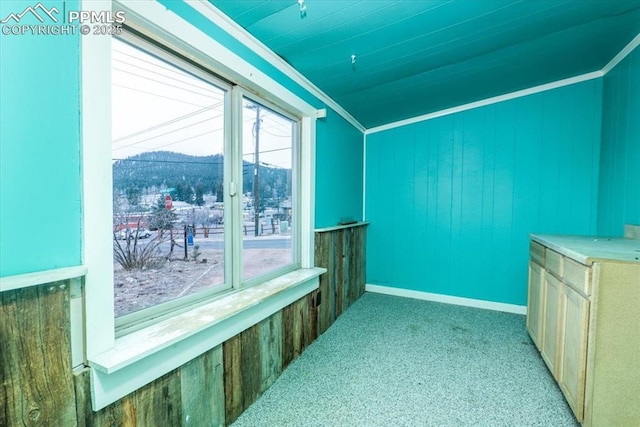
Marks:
<point>414,57</point>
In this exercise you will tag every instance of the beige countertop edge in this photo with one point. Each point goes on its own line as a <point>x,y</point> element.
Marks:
<point>587,249</point>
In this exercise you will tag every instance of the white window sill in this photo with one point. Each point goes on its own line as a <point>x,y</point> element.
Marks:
<point>144,355</point>
<point>20,281</point>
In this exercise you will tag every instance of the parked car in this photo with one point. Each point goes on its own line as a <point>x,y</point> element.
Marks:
<point>131,233</point>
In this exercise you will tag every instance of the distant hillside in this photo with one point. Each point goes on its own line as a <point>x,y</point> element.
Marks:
<point>169,169</point>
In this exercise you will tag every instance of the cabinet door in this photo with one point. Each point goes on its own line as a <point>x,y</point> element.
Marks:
<point>534,303</point>
<point>574,323</point>
<point>552,288</point>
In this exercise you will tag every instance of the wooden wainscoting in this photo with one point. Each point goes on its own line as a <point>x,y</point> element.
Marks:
<point>38,387</point>
<point>341,250</point>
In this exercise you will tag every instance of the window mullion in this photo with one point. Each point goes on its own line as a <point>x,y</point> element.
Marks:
<point>233,160</point>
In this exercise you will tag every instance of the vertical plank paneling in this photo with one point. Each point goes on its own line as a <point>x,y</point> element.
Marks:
<point>159,403</point>
<point>35,357</point>
<point>288,345</point>
<point>619,198</point>
<point>242,374</point>
<point>361,265</point>
<point>251,365</point>
<point>202,382</point>
<point>270,331</point>
<point>312,299</point>
<point>83,397</point>
<point>120,413</point>
<point>486,171</point>
<point>342,253</point>
<point>293,331</point>
<point>325,257</point>
<point>339,274</point>
<point>347,276</point>
<point>232,354</point>
<point>212,389</point>
<point>332,275</point>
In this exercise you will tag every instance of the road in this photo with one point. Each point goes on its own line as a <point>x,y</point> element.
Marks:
<point>203,243</point>
<point>261,243</point>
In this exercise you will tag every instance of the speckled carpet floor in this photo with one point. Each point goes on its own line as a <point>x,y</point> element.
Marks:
<point>391,361</point>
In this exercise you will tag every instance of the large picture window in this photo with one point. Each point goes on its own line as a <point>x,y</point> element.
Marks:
<point>198,197</point>
<point>191,217</point>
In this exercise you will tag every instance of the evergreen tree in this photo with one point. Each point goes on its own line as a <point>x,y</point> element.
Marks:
<point>133,195</point>
<point>199,194</point>
<point>161,218</point>
<point>219,191</point>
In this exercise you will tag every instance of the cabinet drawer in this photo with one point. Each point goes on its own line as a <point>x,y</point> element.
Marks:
<point>577,275</point>
<point>536,252</point>
<point>554,263</point>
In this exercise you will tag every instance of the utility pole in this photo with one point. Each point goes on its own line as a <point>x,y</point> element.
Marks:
<point>256,173</point>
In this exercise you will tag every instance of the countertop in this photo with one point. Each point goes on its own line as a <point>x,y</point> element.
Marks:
<point>588,249</point>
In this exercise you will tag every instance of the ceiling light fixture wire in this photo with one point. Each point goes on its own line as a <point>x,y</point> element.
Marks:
<point>303,8</point>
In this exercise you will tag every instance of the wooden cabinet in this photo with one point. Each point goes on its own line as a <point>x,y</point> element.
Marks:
<point>534,318</point>
<point>582,314</point>
<point>550,325</point>
<point>573,327</point>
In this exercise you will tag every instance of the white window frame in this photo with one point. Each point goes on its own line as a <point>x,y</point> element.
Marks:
<point>121,365</point>
<point>138,319</point>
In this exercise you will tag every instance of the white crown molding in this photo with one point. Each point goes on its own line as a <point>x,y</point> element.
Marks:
<point>235,30</point>
<point>488,101</point>
<point>623,54</point>
<point>447,299</point>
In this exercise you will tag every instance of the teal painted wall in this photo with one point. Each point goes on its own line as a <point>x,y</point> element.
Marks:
<point>619,201</point>
<point>452,200</point>
<point>40,208</point>
<point>40,190</point>
<point>339,165</point>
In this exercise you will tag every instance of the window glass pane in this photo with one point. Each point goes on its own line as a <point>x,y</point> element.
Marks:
<point>268,206</point>
<point>168,204</point>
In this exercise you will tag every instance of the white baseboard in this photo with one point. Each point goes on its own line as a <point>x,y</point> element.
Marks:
<point>447,299</point>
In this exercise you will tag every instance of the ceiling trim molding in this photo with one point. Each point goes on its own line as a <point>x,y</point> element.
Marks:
<point>623,54</point>
<point>243,36</point>
<point>488,101</point>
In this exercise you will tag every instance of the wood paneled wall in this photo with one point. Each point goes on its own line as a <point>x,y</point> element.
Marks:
<point>36,385</point>
<point>619,197</point>
<point>38,388</point>
<point>342,253</point>
<point>468,188</point>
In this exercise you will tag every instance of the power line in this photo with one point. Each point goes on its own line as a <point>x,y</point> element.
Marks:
<point>155,94</point>
<point>146,78</point>
<point>266,151</point>
<point>163,124</point>
<point>212,163</point>
<point>163,134</point>
<point>186,139</point>
<point>274,134</point>
<point>171,68</point>
<point>190,83</point>
<point>165,65</point>
<point>128,159</point>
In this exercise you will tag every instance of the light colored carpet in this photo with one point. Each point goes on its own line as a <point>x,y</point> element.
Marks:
<point>391,361</point>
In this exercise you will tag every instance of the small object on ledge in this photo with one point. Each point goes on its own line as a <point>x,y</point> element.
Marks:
<point>347,221</point>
